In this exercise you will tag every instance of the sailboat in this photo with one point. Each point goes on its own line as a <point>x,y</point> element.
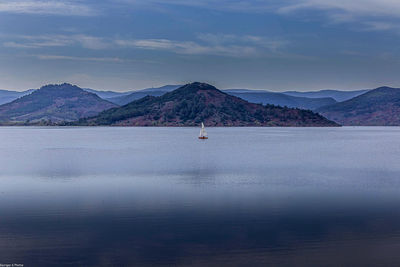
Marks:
<point>203,133</point>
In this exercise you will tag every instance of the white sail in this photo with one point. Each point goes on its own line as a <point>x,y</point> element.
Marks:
<point>203,132</point>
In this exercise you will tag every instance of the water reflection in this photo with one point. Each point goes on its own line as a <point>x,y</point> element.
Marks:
<point>134,196</point>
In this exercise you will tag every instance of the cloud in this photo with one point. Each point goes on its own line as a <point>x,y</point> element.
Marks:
<point>258,41</point>
<point>365,15</point>
<point>186,47</point>
<point>90,42</point>
<point>368,8</point>
<point>92,59</point>
<point>17,45</point>
<point>65,8</point>
<point>41,41</point>
<point>373,15</point>
<point>224,5</point>
<point>352,7</point>
<point>26,41</point>
<point>381,26</point>
<point>209,44</point>
<point>96,59</point>
<point>203,44</point>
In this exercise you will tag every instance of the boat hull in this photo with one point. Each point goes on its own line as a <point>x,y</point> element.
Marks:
<point>203,137</point>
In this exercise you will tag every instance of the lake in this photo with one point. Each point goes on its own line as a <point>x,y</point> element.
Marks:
<point>159,196</point>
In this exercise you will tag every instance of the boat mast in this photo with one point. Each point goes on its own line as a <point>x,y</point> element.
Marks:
<point>203,132</point>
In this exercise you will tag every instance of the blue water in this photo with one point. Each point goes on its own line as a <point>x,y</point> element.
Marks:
<point>160,196</point>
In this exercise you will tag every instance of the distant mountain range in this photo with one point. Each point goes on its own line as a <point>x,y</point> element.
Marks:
<point>53,103</point>
<point>378,107</point>
<point>8,96</point>
<point>254,96</point>
<point>67,103</point>
<point>280,99</point>
<point>106,94</point>
<point>194,103</point>
<point>304,100</point>
<point>339,96</point>
<point>131,96</point>
<point>293,99</point>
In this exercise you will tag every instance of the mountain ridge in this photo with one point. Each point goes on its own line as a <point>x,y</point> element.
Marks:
<point>305,100</point>
<point>132,96</point>
<point>62,102</point>
<point>338,95</point>
<point>7,96</point>
<point>199,102</point>
<point>280,99</point>
<point>377,107</point>
<point>253,96</point>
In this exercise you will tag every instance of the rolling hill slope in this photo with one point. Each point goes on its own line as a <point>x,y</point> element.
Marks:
<point>279,99</point>
<point>7,96</point>
<point>378,107</point>
<point>199,102</point>
<point>55,103</point>
<point>127,98</point>
<point>338,95</point>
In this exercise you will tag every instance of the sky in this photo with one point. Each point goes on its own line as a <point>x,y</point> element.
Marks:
<point>276,45</point>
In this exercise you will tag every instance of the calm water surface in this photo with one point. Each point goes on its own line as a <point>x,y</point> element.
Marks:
<point>160,196</point>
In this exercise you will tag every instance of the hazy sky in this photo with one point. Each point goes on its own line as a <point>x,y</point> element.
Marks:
<point>260,44</point>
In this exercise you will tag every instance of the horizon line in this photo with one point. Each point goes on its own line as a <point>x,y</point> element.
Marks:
<point>223,89</point>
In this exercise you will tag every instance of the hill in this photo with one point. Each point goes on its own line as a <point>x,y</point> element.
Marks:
<point>199,102</point>
<point>378,107</point>
<point>9,96</point>
<point>55,103</point>
<point>106,94</point>
<point>279,99</point>
<point>253,96</point>
<point>339,96</point>
<point>127,98</point>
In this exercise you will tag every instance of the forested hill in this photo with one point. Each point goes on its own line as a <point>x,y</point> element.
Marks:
<point>199,102</point>
<point>53,103</point>
<point>378,107</point>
